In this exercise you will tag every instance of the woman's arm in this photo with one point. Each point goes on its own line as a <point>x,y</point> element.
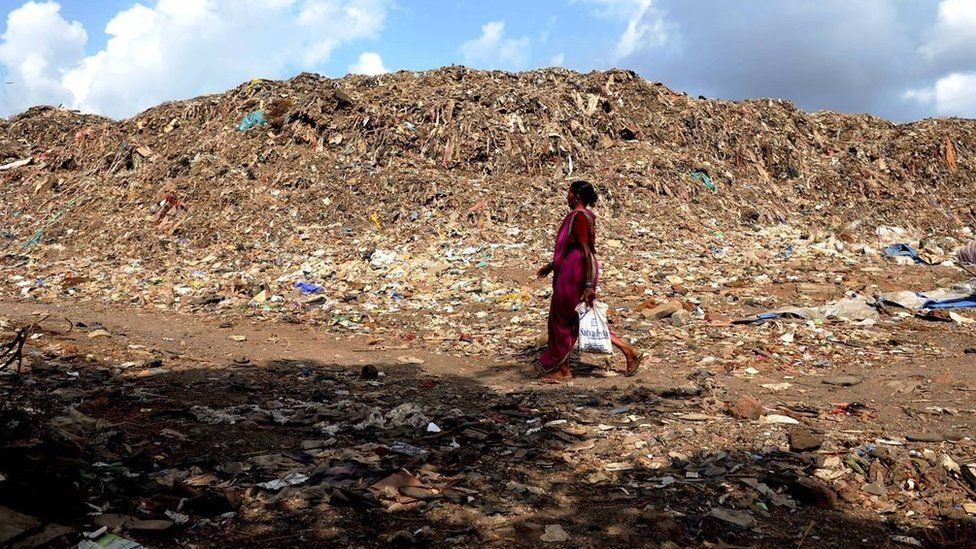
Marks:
<point>581,234</point>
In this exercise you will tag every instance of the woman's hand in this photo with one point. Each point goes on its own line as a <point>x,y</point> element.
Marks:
<point>544,272</point>
<point>589,296</point>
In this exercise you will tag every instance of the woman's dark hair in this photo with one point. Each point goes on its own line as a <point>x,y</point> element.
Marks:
<point>584,191</point>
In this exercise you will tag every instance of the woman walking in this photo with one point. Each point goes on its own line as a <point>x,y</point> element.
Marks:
<point>576,274</point>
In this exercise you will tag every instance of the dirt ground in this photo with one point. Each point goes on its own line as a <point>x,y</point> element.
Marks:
<point>163,426</point>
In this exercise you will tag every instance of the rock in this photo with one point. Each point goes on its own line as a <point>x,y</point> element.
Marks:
<point>409,360</point>
<point>747,407</point>
<point>843,381</point>
<point>663,523</point>
<point>401,538</point>
<point>114,521</point>
<point>663,310</point>
<point>778,419</point>
<point>875,489</point>
<point>939,436</point>
<point>208,299</point>
<point>14,524</point>
<point>98,333</point>
<point>804,440</point>
<point>46,537</point>
<point>343,99</point>
<point>738,518</point>
<point>950,464</point>
<point>554,534</point>
<point>810,492</point>
<point>369,372</point>
<point>681,318</point>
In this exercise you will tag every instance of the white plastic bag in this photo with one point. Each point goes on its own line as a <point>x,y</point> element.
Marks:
<point>594,331</point>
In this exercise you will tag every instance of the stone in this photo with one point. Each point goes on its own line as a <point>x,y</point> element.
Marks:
<point>681,318</point>
<point>843,380</point>
<point>663,310</point>
<point>939,436</point>
<point>738,518</point>
<point>810,492</point>
<point>875,489</point>
<point>804,440</point>
<point>14,524</point>
<point>779,419</point>
<point>747,407</point>
<point>554,534</point>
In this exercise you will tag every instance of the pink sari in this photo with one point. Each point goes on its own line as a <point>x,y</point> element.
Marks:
<point>568,283</point>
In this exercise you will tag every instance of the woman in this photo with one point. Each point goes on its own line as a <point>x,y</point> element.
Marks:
<point>575,276</point>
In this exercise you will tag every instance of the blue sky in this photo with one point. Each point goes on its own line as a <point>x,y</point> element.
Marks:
<point>898,59</point>
<point>423,34</point>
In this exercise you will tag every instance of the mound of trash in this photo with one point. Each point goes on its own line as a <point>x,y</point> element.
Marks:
<point>378,185</point>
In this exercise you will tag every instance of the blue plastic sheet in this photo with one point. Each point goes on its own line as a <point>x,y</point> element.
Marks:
<point>956,303</point>
<point>255,118</point>
<point>760,318</point>
<point>308,287</point>
<point>902,250</point>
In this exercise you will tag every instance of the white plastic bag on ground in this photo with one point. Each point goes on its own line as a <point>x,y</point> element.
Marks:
<point>594,331</point>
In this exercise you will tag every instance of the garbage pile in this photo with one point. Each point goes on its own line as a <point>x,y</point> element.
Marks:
<point>422,193</point>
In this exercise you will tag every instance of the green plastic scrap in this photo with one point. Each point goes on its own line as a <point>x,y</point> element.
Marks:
<point>705,180</point>
<point>854,463</point>
<point>109,541</point>
<point>36,237</point>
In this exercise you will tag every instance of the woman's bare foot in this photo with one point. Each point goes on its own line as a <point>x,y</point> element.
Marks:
<point>633,356</point>
<point>562,374</point>
<point>634,359</point>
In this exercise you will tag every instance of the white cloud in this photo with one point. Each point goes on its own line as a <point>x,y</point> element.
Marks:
<point>951,95</point>
<point>369,63</point>
<point>831,54</point>
<point>492,50</point>
<point>953,38</point>
<point>557,60</point>
<point>950,48</point>
<point>647,27</point>
<point>182,48</point>
<point>38,47</point>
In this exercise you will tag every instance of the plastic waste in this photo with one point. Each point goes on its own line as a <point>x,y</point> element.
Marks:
<point>901,249</point>
<point>250,120</point>
<point>967,254</point>
<point>109,541</point>
<point>594,330</point>
<point>703,178</point>
<point>308,287</point>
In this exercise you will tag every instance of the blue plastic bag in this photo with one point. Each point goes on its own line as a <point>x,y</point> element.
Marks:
<point>308,287</point>
<point>903,250</point>
<point>255,118</point>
